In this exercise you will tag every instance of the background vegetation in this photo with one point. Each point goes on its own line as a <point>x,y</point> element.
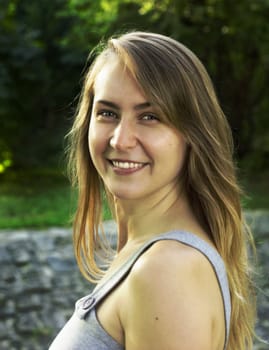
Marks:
<point>44,47</point>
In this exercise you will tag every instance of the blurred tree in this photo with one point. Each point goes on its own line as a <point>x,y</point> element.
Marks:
<point>37,79</point>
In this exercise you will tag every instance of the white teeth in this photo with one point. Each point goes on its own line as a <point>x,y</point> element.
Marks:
<point>127,165</point>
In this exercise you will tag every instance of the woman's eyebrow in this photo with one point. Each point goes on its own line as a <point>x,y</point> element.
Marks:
<point>115,106</point>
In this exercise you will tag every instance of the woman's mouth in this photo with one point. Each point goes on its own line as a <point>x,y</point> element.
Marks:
<point>126,164</point>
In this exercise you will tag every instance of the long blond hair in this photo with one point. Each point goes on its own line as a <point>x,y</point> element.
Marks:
<point>173,78</point>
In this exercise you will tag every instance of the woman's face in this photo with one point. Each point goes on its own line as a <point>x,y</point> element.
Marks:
<point>133,149</point>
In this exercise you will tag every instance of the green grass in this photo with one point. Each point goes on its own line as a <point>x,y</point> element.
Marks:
<point>30,208</point>
<point>36,200</point>
<point>43,199</point>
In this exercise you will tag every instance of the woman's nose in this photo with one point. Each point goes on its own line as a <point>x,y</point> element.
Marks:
<point>124,136</point>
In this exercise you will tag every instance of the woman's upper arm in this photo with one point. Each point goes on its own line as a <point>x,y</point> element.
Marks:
<point>168,303</point>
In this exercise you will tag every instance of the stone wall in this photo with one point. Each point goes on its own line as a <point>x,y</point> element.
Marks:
<point>40,282</point>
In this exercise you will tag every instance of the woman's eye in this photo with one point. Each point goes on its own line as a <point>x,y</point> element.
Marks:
<point>106,114</point>
<point>149,117</point>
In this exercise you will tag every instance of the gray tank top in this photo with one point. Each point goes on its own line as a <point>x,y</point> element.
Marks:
<point>84,332</point>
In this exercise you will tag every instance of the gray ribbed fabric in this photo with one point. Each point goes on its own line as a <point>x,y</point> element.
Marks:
<point>84,332</point>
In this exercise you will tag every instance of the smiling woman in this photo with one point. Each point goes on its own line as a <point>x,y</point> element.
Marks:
<point>150,132</point>
<point>129,144</point>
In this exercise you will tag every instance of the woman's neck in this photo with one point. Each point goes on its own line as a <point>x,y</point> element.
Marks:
<point>140,220</point>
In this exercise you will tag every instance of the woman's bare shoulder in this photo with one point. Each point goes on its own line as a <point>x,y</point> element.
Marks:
<point>170,257</point>
<point>173,294</point>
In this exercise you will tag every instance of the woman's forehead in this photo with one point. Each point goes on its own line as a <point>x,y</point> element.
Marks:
<point>114,77</point>
<point>114,70</point>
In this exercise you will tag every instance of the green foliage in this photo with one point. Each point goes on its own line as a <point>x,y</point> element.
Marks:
<point>44,46</point>
<point>37,85</point>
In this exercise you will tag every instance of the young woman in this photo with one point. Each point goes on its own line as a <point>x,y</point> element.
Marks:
<point>151,135</point>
